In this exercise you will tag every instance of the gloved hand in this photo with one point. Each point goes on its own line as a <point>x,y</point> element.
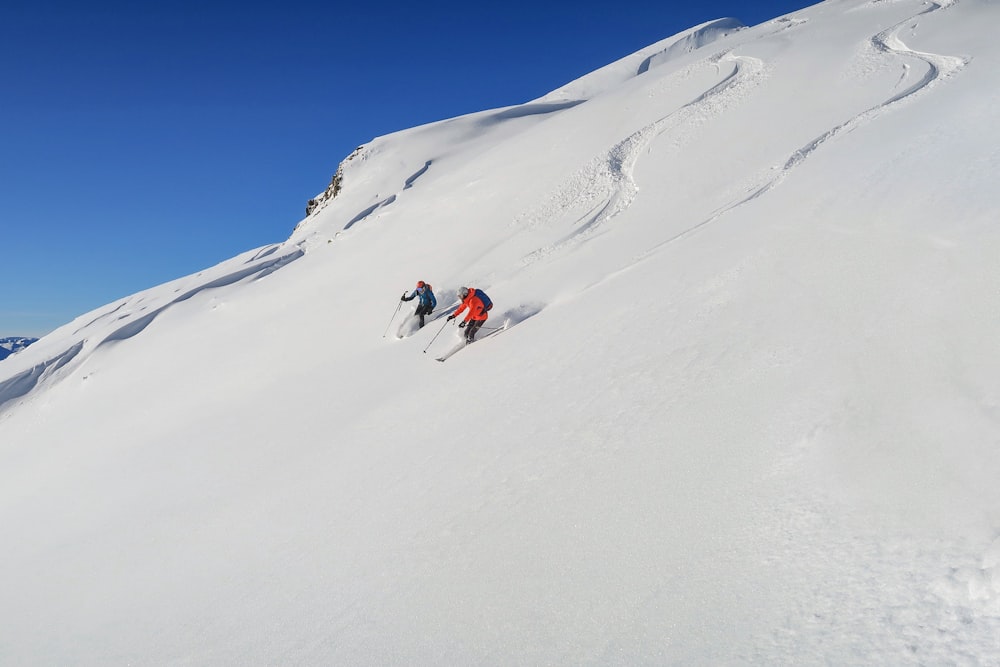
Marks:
<point>450,318</point>
<point>461,325</point>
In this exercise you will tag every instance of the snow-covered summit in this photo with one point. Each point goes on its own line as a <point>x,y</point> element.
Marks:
<point>610,76</point>
<point>747,410</point>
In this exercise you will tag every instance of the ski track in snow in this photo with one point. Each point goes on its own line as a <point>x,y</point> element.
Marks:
<point>939,69</point>
<point>24,382</point>
<point>607,186</point>
<point>607,183</point>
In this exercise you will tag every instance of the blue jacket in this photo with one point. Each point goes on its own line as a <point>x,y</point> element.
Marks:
<point>427,297</point>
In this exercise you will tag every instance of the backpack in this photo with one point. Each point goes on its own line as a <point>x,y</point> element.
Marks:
<point>430,295</point>
<point>487,304</point>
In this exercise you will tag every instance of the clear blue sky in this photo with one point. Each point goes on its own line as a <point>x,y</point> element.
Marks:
<point>143,141</point>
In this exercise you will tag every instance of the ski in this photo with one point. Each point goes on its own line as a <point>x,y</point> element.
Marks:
<point>463,344</point>
<point>446,355</point>
<point>500,329</point>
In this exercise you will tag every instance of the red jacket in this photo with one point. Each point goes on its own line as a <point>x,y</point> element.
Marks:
<point>477,311</point>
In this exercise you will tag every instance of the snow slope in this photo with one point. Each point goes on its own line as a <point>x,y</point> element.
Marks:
<point>747,412</point>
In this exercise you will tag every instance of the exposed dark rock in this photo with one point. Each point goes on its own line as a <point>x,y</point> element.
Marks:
<point>332,190</point>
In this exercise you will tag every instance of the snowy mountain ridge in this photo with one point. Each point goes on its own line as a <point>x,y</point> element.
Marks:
<point>14,344</point>
<point>747,410</point>
<point>641,61</point>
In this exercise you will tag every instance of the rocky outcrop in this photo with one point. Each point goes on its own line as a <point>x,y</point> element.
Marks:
<point>332,190</point>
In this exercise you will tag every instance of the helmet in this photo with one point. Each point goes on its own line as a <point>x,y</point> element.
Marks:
<point>420,283</point>
<point>463,292</point>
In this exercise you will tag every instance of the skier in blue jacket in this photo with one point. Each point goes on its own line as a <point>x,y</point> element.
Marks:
<point>427,300</point>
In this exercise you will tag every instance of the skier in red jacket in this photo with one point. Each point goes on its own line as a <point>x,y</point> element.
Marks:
<point>477,312</point>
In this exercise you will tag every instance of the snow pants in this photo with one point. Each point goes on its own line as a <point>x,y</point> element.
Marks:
<point>471,328</point>
<point>423,309</point>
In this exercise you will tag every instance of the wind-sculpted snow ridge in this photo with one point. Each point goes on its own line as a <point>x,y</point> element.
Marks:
<point>606,187</point>
<point>255,272</point>
<point>368,211</point>
<point>640,62</point>
<point>524,110</point>
<point>407,184</point>
<point>939,68</point>
<point>25,381</point>
<point>707,34</point>
<point>264,252</point>
<point>132,316</point>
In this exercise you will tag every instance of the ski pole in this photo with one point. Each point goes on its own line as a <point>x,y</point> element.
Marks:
<point>398,305</point>
<point>436,335</point>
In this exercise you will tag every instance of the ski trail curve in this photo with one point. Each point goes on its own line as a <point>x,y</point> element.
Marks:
<point>939,69</point>
<point>606,185</point>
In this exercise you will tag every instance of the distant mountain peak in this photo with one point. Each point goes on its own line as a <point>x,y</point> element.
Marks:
<point>9,346</point>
